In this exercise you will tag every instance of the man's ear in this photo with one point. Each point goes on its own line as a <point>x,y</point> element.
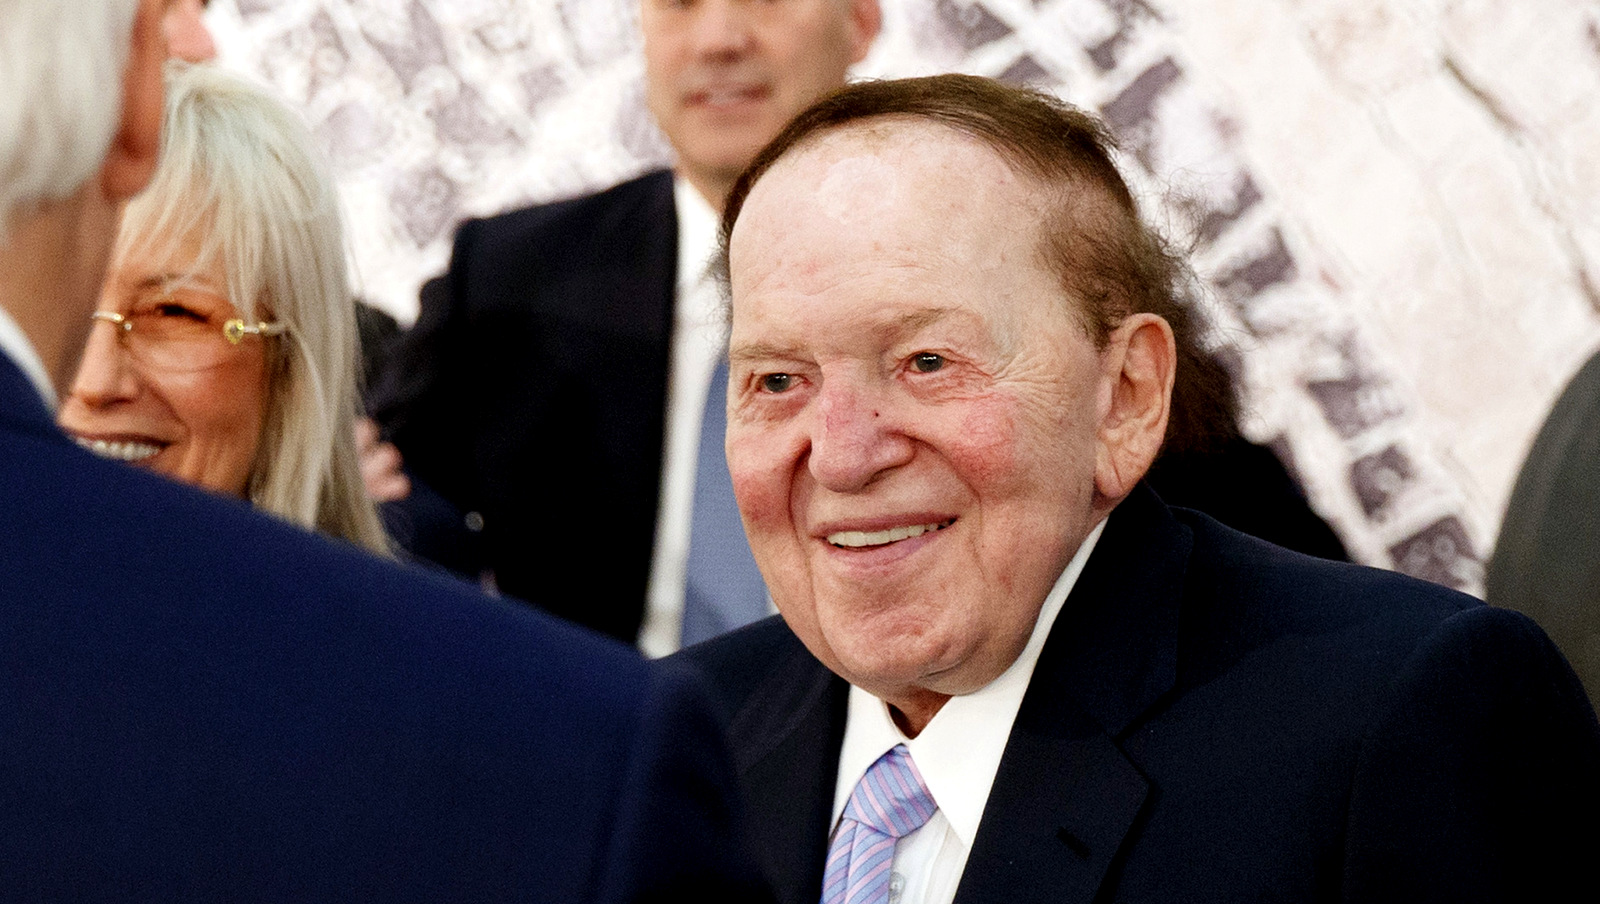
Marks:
<point>866,19</point>
<point>1138,366</point>
<point>136,146</point>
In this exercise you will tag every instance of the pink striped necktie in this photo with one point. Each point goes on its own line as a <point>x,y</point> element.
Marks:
<point>889,802</point>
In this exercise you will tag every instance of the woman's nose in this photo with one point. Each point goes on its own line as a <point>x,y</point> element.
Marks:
<point>106,375</point>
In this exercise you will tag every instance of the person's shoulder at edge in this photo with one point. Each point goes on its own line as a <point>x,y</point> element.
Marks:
<point>1479,775</point>
<point>1416,629</point>
<point>1477,767</point>
<point>676,826</point>
<point>1230,562</point>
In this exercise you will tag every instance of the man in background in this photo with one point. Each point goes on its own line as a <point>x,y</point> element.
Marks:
<point>202,703</point>
<point>557,384</point>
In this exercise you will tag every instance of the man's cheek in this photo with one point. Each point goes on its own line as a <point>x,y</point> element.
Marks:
<point>761,487</point>
<point>986,448</point>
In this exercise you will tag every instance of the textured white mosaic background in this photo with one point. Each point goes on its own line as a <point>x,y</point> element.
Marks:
<point>1396,204</point>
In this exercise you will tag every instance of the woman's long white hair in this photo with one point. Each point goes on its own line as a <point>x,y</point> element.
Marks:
<point>239,169</point>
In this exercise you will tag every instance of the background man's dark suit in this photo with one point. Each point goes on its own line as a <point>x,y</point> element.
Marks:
<point>198,703</point>
<point>532,390</point>
<point>1217,719</point>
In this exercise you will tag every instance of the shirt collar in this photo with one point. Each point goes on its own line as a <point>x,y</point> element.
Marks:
<point>14,344</point>
<point>959,751</point>
<point>697,234</point>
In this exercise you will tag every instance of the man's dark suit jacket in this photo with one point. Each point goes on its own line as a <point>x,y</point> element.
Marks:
<point>199,703</point>
<point>1217,719</point>
<point>532,391</point>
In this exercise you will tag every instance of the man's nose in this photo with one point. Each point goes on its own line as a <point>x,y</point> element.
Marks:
<point>858,437</point>
<point>722,29</point>
<point>106,375</point>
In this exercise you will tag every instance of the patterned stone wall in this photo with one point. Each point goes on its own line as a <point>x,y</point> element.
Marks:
<point>1395,207</point>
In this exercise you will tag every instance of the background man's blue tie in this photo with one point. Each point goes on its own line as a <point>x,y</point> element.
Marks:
<point>723,588</point>
<point>890,802</point>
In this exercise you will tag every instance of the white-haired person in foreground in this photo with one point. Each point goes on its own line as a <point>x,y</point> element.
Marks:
<point>202,703</point>
<point>224,349</point>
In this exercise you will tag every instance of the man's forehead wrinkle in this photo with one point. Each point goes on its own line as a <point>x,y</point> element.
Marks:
<point>801,274</point>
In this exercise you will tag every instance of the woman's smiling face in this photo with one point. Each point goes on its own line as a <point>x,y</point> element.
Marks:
<point>196,417</point>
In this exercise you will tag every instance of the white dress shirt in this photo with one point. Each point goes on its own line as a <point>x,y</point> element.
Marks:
<point>697,343</point>
<point>14,344</point>
<point>958,754</point>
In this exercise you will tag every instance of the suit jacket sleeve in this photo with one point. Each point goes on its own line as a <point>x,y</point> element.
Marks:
<point>1479,782</point>
<point>680,833</point>
<point>413,399</point>
<point>416,406</point>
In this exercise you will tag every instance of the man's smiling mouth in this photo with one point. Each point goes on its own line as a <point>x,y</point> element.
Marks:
<point>724,96</point>
<point>857,539</point>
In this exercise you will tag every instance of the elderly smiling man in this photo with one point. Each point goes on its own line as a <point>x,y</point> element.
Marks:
<point>1004,670</point>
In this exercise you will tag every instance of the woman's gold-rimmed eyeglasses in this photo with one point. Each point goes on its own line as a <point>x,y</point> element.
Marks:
<point>173,337</point>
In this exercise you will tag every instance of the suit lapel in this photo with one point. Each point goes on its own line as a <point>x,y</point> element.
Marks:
<point>1066,797</point>
<point>787,739</point>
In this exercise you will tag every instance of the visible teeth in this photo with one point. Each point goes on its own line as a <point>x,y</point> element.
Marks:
<point>851,539</point>
<point>119,450</point>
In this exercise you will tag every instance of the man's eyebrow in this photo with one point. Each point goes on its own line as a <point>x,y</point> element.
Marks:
<point>917,320</point>
<point>757,351</point>
<point>904,323</point>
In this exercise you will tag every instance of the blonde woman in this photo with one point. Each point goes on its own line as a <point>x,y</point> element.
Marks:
<point>224,350</point>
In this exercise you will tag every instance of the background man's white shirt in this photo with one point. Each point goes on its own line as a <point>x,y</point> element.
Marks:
<point>697,344</point>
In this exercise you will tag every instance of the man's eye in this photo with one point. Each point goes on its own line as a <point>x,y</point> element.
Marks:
<point>927,362</point>
<point>777,382</point>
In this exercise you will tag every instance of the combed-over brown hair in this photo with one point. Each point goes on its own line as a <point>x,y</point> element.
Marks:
<point>1108,260</point>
